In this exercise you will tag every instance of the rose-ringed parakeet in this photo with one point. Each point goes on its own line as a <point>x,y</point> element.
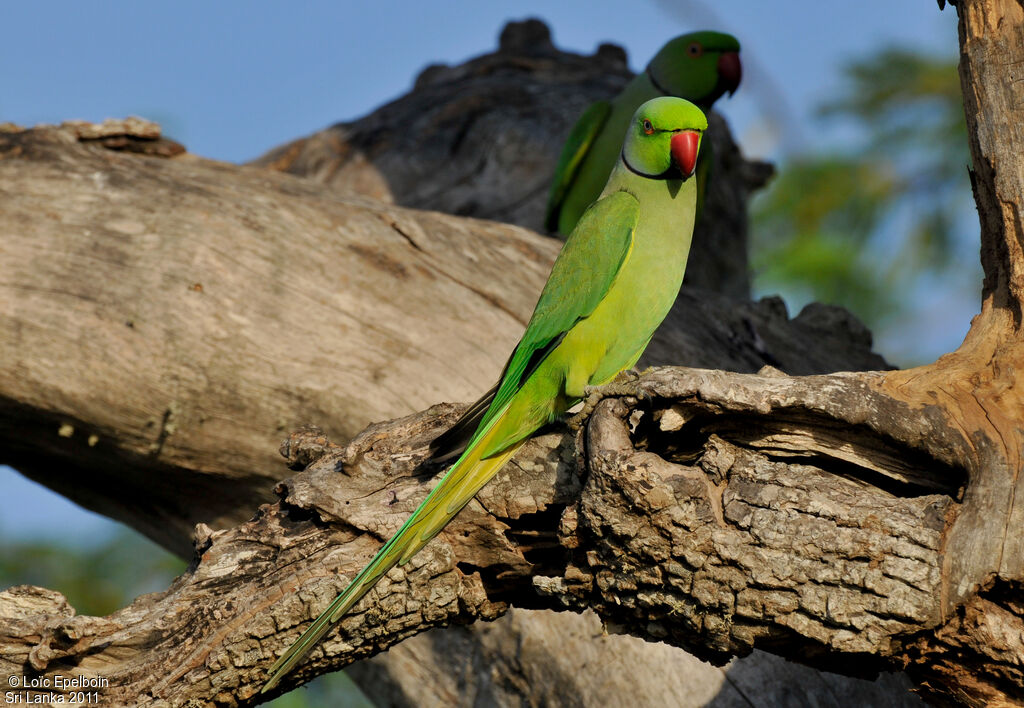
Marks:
<point>699,67</point>
<point>610,287</point>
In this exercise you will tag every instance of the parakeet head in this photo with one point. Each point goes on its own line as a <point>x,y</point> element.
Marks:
<point>699,67</point>
<point>663,139</point>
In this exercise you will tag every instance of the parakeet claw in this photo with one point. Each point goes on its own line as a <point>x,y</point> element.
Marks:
<point>595,394</point>
<point>590,401</point>
<point>579,420</point>
<point>629,375</point>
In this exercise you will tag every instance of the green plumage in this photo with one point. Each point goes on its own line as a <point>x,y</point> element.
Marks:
<point>610,287</point>
<point>699,67</point>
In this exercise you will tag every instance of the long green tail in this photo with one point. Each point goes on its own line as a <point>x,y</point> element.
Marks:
<point>461,483</point>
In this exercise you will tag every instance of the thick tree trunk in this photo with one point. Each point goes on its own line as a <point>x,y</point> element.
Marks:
<point>856,521</point>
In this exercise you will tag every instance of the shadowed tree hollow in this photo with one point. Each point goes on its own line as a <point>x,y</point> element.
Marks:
<point>168,320</point>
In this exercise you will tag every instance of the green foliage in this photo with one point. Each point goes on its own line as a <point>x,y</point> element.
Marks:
<point>867,225</point>
<point>96,579</point>
<point>335,689</point>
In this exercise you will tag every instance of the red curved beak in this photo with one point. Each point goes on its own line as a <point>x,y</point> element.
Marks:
<point>730,71</point>
<point>684,151</point>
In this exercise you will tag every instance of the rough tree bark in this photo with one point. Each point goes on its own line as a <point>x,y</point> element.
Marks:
<point>856,521</point>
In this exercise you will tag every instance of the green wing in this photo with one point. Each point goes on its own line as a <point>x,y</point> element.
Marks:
<point>579,280</point>
<point>580,277</point>
<point>576,146</point>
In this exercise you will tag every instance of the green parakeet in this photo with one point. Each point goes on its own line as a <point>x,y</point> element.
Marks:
<point>610,287</point>
<point>699,67</point>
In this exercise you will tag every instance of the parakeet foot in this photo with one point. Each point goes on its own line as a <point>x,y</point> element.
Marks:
<point>629,375</point>
<point>589,402</point>
<point>621,385</point>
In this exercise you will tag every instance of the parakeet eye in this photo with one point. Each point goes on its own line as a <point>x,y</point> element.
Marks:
<point>695,49</point>
<point>648,128</point>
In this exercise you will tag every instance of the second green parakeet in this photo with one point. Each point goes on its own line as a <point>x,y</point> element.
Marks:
<point>699,67</point>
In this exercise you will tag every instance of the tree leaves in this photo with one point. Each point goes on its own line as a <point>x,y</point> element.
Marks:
<point>886,215</point>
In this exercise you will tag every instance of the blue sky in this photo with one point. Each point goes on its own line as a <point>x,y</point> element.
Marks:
<point>232,79</point>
